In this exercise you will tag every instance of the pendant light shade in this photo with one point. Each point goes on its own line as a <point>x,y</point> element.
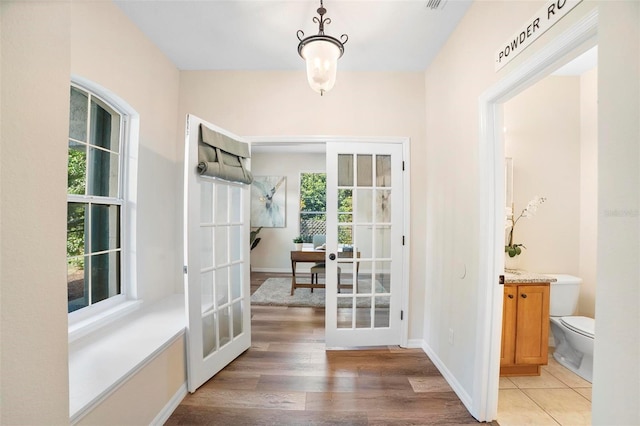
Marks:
<point>321,53</point>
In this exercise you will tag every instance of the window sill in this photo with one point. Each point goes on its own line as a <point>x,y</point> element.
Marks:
<point>79,329</point>
<point>100,362</point>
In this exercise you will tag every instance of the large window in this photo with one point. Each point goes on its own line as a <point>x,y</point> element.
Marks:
<point>95,201</point>
<point>313,205</point>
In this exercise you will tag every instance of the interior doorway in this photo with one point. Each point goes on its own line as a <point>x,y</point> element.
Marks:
<point>293,158</point>
<point>557,160</point>
<point>565,47</point>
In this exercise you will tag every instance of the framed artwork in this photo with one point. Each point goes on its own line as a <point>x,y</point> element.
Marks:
<point>268,196</point>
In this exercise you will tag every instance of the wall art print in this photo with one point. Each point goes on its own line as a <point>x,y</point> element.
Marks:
<point>268,197</point>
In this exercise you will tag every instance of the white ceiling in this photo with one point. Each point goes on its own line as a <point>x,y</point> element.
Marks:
<point>391,35</point>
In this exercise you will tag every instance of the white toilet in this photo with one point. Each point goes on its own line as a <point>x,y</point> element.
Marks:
<point>573,335</point>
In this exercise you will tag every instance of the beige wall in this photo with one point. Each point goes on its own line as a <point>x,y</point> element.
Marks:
<point>460,74</point>
<point>551,134</point>
<point>35,114</point>
<point>272,254</point>
<point>588,192</point>
<point>543,137</point>
<point>361,104</point>
<point>109,50</point>
<point>43,44</point>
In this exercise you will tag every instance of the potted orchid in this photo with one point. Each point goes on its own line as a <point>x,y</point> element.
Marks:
<point>511,248</point>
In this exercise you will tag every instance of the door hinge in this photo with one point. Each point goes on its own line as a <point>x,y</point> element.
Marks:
<point>184,269</point>
<point>501,280</point>
<point>403,240</point>
<point>401,315</point>
<point>403,165</point>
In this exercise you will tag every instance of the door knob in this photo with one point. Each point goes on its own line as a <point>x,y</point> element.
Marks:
<point>510,296</point>
<point>524,296</point>
<point>332,256</point>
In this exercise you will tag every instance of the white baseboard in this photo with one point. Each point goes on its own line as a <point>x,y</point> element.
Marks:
<point>171,406</point>
<point>415,343</point>
<point>449,377</point>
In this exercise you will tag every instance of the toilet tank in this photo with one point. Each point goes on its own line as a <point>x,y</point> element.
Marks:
<point>563,299</point>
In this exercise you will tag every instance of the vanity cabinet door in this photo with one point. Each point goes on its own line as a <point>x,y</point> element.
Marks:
<point>532,330</point>
<point>508,348</point>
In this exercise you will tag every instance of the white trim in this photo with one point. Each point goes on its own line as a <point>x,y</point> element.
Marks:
<point>415,343</point>
<point>449,377</point>
<point>92,321</point>
<point>171,406</point>
<point>577,39</point>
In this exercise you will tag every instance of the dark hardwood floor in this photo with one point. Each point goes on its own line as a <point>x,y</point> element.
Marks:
<point>287,378</point>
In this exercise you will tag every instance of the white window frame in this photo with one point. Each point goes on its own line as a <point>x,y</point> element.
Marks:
<point>87,319</point>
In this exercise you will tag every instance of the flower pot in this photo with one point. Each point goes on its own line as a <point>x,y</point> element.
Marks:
<point>511,263</point>
<point>298,246</point>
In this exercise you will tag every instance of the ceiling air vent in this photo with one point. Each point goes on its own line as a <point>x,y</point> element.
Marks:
<point>436,4</point>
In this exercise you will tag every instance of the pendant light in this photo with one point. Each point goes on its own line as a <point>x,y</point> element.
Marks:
<point>321,53</point>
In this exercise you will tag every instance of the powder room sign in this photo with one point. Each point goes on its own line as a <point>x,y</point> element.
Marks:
<point>532,29</point>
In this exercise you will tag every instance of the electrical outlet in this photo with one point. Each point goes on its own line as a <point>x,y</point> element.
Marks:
<point>451,336</point>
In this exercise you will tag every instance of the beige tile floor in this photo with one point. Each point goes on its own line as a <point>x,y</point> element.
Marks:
<point>556,397</point>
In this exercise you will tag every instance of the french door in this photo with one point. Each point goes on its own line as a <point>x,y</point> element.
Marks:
<point>216,272</point>
<point>365,213</point>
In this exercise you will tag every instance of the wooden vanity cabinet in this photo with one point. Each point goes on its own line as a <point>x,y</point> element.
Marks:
<point>525,329</point>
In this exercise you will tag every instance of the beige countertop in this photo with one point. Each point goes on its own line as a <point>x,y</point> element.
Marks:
<point>516,276</point>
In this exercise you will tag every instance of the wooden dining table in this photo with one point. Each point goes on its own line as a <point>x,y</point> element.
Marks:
<point>313,256</point>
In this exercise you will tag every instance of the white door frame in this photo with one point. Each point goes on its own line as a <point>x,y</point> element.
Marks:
<point>293,141</point>
<point>574,41</point>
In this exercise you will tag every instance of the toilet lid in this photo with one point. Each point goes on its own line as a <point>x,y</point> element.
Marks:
<point>582,325</point>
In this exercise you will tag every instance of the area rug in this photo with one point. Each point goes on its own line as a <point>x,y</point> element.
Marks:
<point>277,292</point>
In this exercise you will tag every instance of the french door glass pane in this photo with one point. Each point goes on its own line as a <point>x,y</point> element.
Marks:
<point>235,278</point>
<point>209,334</point>
<point>236,199</point>
<point>345,170</point>
<point>383,242</point>
<point>222,287</point>
<point>237,318</point>
<point>345,312</point>
<point>222,245</point>
<point>383,170</point>
<point>382,304</point>
<point>365,170</point>
<point>77,168</point>
<point>363,313</point>
<point>364,206</point>
<point>206,202</point>
<point>225,323</point>
<point>345,234</point>
<point>222,204</point>
<point>383,205</point>
<point>364,240</point>
<point>206,291</point>
<point>206,247</point>
<point>383,276</point>
<point>235,243</point>
<point>79,107</point>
